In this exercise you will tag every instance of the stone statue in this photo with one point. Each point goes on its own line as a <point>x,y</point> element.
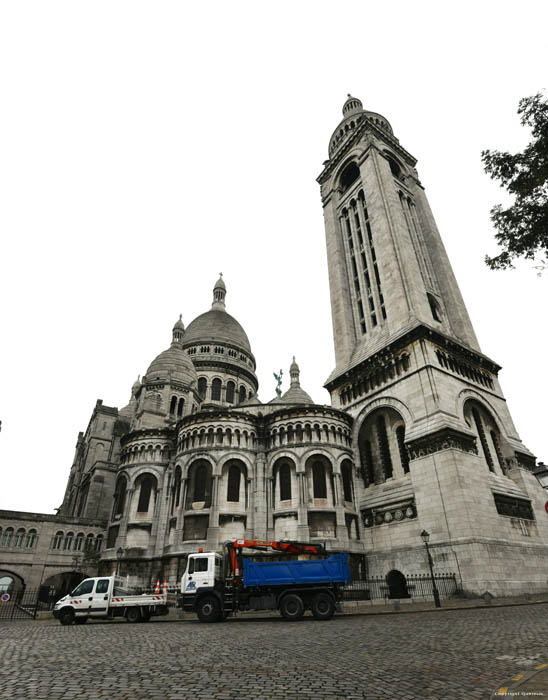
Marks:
<point>278,378</point>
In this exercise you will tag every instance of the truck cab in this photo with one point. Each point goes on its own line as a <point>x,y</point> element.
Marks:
<point>203,570</point>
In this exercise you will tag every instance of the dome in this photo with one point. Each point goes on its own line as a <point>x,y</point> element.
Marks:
<point>173,364</point>
<point>216,326</point>
<point>353,114</point>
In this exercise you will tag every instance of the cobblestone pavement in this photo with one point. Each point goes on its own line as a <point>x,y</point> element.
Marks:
<point>442,655</point>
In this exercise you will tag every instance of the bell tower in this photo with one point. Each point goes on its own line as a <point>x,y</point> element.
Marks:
<point>435,444</point>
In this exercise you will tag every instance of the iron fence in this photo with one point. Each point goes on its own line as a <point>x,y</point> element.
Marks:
<point>418,586</point>
<point>23,605</point>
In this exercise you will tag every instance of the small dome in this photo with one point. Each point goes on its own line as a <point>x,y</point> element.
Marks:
<point>352,106</point>
<point>220,283</point>
<point>172,364</point>
<point>179,325</point>
<point>136,385</point>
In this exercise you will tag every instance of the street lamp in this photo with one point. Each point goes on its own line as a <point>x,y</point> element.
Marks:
<point>425,537</point>
<point>119,555</point>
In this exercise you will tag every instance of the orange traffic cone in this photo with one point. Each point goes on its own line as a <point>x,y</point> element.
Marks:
<point>157,589</point>
<point>165,586</point>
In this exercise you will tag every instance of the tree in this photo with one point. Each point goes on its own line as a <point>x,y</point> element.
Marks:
<point>522,228</point>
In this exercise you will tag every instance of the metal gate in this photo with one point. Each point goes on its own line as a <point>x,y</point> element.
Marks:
<point>23,605</point>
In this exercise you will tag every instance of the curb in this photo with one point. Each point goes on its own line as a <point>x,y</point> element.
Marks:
<point>521,680</point>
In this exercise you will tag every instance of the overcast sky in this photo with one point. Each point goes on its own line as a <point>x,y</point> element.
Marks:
<point>146,147</point>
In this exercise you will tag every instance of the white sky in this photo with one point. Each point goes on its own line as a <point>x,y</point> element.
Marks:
<point>145,147</point>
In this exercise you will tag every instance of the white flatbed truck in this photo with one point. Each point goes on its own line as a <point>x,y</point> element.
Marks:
<point>105,597</point>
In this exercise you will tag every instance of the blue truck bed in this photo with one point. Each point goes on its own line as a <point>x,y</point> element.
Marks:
<point>283,573</point>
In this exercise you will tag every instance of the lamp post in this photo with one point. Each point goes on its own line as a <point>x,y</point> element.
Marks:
<point>541,472</point>
<point>119,556</point>
<point>425,537</point>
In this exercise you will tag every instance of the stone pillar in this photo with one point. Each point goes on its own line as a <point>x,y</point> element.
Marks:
<point>259,504</point>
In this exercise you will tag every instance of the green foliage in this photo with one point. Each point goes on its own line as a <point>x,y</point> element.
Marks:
<point>522,228</point>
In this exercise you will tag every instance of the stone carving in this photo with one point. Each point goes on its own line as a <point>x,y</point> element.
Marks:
<point>391,513</point>
<point>445,439</point>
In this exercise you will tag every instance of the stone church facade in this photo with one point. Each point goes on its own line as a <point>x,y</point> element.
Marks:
<point>418,435</point>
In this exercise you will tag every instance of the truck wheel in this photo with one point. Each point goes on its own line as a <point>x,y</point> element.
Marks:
<point>133,615</point>
<point>80,620</point>
<point>145,614</point>
<point>208,609</point>
<point>66,616</point>
<point>292,607</point>
<point>323,606</point>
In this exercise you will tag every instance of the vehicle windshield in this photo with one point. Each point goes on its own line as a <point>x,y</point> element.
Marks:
<point>83,588</point>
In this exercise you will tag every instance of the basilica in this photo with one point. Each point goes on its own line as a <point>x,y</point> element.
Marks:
<point>418,436</point>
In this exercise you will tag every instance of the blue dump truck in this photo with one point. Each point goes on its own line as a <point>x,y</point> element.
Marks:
<point>215,586</point>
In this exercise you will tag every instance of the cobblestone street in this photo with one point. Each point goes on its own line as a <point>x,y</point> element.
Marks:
<point>443,655</point>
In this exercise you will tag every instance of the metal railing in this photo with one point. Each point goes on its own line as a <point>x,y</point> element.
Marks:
<point>24,604</point>
<point>417,586</point>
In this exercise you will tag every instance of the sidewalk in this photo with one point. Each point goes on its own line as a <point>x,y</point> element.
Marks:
<point>529,684</point>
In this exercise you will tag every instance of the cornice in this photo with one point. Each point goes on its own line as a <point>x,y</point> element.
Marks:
<point>444,439</point>
<point>381,357</point>
<point>366,125</point>
<point>166,433</point>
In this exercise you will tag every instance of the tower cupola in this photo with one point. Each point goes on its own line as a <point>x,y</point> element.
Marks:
<point>352,106</point>
<point>219,293</point>
<point>178,330</point>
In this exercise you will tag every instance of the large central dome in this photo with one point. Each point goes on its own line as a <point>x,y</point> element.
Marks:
<point>216,325</point>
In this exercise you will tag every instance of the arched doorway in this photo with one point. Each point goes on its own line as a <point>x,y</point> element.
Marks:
<point>10,582</point>
<point>397,584</point>
<point>57,586</point>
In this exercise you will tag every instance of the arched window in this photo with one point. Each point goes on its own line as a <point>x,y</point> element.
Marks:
<point>404,457</point>
<point>379,443</point>
<point>89,542</point>
<point>119,498</point>
<point>180,406</point>
<point>230,389</point>
<point>57,540</point>
<point>384,449</point>
<point>6,537</point>
<point>79,542</point>
<point>346,473</point>
<point>202,387</point>
<point>216,390</point>
<point>19,537</point>
<point>242,394</point>
<point>348,176</point>
<point>176,489</point>
<point>173,405</point>
<point>99,543</point>
<point>233,490</point>
<point>318,480</point>
<point>199,484</point>
<point>31,538</point>
<point>285,482</point>
<point>68,540</point>
<point>147,484</point>
<point>478,416</point>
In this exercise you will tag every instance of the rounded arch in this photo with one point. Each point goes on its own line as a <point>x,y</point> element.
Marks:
<point>10,581</point>
<point>397,584</point>
<point>319,473</point>
<point>146,486</point>
<point>284,473</point>
<point>120,492</point>
<point>200,483</point>
<point>382,402</point>
<point>468,394</point>
<point>234,479</point>
<point>397,167</point>
<point>352,159</point>
<point>381,445</point>
<point>218,469</point>
<point>490,441</point>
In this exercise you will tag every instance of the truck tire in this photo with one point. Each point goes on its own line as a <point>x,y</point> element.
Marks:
<point>133,614</point>
<point>145,614</point>
<point>323,606</point>
<point>66,616</point>
<point>208,609</point>
<point>292,607</point>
